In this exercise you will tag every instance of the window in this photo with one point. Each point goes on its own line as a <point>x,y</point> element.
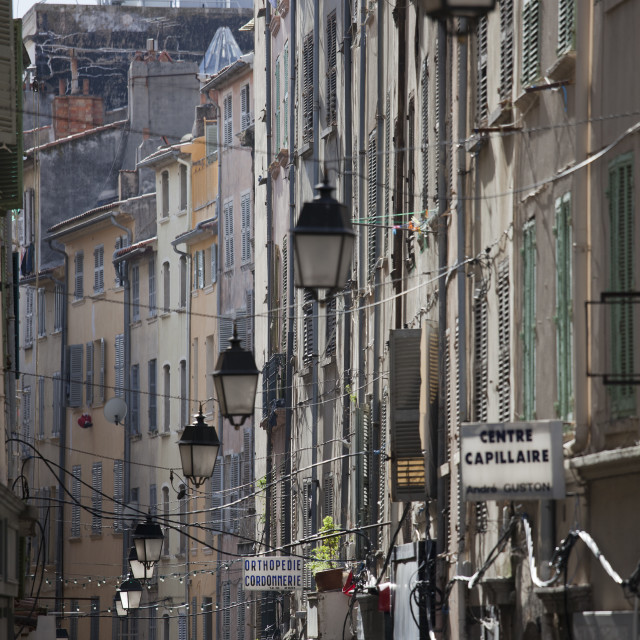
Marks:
<point>482,40</point>
<point>217,497</point>
<point>119,365</point>
<point>227,122</point>
<point>135,293</point>
<point>211,141</point>
<point>566,25</point>
<point>372,203</point>
<point>530,41</point>
<point>153,625</point>
<point>75,495</point>
<point>184,400</point>
<point>307,88</point>
<point>183,520</point>
<point>226,611</point>
<point>183,282</point>
<point>134,422</point>
<point>207,618</point>
<point>89,383</point>
<point>42,409</point>
<point>198,269</point>
<point>622,247</point>
<point>99,360</point>
<point>564,308</point>
<point>504,343</point>
<point>79,282</point>
<point>73,620</point>
<point>27,433</point>
<point>152,289</point>
<point>75,380</point>
<point>167,288</point>
<point>118,495</point>
<point>285,99</point>
<point>529,321</point>
<point>228,234</point>
<point>194,618</point>
<point>184,192</point>
<point>182,625</point>
<point>98,269</point>
<point>245,203</point>
<point>424,118</point>
<point>166,516</point>
<point>277,106</point>
<point>284,287</point>
<point>153,400</point>
<point>167,397</point>
<point>165,627</point>
<point>58,308</point>
<point>245,110</point>
<point>121,243</point>
<point>480,357</point>
<point>330,328</point>
<point>307,328</point>
<point>331,48</point>
<point>164,186</point>
<point>28,316</point>
<point>328,495</point>
<point>42,313</point>
<point>241,610</point>
<point>214,262</point>
<point>96,498</point>
<point>506,49</point>
<point>57,391</point>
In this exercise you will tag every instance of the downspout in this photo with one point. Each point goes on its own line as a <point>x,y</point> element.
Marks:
<point>123,269</point>
<point>377,355</point>
<point>62,437</point>
<point>463,53</point>
<point>314,307</point>
<point>441,536</point>
<point>290,289</point>
<point>348,201</point>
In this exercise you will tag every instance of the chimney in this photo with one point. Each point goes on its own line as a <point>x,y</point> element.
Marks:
<point>74,73</point>
<point>62,86</point>
<point>151,45</point>
<point>85,86</point>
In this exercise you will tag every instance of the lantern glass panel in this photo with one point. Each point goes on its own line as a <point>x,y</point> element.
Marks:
<point>236,393</point>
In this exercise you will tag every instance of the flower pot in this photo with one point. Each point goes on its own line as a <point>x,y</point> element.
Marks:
<point>329,579</point>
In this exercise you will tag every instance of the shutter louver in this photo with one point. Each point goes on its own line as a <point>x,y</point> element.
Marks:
<point>75,375</point>
<point>529,321</point>
<point>307,88</point>
<point>372,205</point>
<point>28,319</point>
<point>79,281</point>
<point>504,343</point>
<point>566,25</point>
<point>278,107</point>
<point>101,381</point>
<point>408,473</point>
<point>331,48</point>
<point>307,328</point>
<point>506,49</point>
<point>285,102</point>
<point>98,269</point>
<point>481,358</point>
<point>75,507</point>
<point>530,41</point>
<point>217,499</point>
<point>387,173</point>
<point>89,375</point>
<point>96,498</point>
<point>119,365</point>
<point>482,38</point>
<point>284,300</point>
<point>118,495</point>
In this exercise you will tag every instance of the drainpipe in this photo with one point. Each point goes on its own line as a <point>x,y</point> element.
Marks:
<point>124,278</point>
<point>348,201</point>
<point>463,51</point>
<point>441,536</point>
<point>62,462</point>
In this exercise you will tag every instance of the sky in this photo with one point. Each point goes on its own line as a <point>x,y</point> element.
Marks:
<point>20,7</point>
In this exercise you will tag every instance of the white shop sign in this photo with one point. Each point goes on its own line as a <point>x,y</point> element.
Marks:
<point>272,573</point>
<point>512,460</point>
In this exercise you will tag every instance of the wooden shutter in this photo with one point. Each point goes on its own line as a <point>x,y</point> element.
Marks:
<point>241,610</point>
<point>388,177</point>
<point>153,399</point>
<point>101,371</point>
<point>530,41</point>
<point>364,490</point>
<point>331,48</point>
<point>372,204</point>
<point>134,421</point>
<point>424,123</point>
<point>89,374</point>
<point>225,331</point>
<point>41,407</point>
<point>307,506</point>
<point>566,25</point>
<point>118,494</point>
<point>248,455</point>
<point>217,498</point>
<point>75,375</point>
<point>284,299</point>
<point>407,466</point>
<point>504,343</point>
<point>228,235</point>
<point>119,365</point>
<point>226,611</point>
<point>182,625</point>
<point>42,312</point>
<point>307,88</point>
<point>564,308</point>
<point>152,288</point>
<point>211,141</point>
<point>506,49</point>
<point>330,328</point>
<point>308,341</point>
<point>245,204</point>
<point>285,101</point>
<point>214,263</point>
<point>28,318</point>
<point>98,269</point>
<point>96,498</point>
<point>529,321</point>
<point>228,120</point>
<point>481,358</point>
<point>76,497</point>
<point>328,495</point>
<point>135,292</point>
<point>276,79</point>
<point>245,107</point>
<point>250,320</point>
<point>57,393</point>
<point>482,41</point>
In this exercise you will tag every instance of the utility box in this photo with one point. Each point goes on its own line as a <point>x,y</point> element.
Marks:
<point>326,614</point>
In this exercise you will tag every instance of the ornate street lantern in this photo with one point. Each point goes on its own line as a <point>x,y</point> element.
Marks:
<point>148,540</point>
<point>130,594</point>
<point>199,446</point>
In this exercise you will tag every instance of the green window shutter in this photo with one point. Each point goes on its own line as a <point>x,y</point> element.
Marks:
<point>623,397</point>
<point>566,25</point>
<point>529,321</point>
<point>530,41</point>
<point>564,308</point>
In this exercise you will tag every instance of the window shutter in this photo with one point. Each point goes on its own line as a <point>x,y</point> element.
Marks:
<point>28,319</point>
<point>42,312</point>
<point>217,499</point>
<point>307,88</point>
<point>245,107</point>
<point>153,399</point>
<point>388,176</point>
<point>331,48</point>
<point>75,494</point>
<point>119,365</point>
<point>564,308</point>
<point>166,276</point>
<point>89,374</point>
<point>228,235</point>
<point>228,120</point>
<point>382,469</point>
<point>79,282</point>
<point>182,625</point>
<point>328,495</point>
<point>372,204</point>
<point>481,358</point>
<point>27,434</point>
<point>482,39</point>
<point>152,288</point>
<point>250,321</point>
<point>58,304</point>
<point>285,102</point>
<point>134,420</point>
<point>96,498</point>
<point>240,633</point>
<point>407,466</point>
<point>284,300</point>
<point>504,343</point>
<point>529,321</point>
<point>247,461</point>
<point>41,407</point>
<point>211,141</point>
<point>566,25</point>
<point>98,269</point>
<point>278,105</point>
<point>75,375</point>
<point>235,495</point>
<point>622,246</point>
<point>307,506</point>
<point>530,41</point>
<point>308,341</point>
<point>101,372</point>
<point>226,611</point>
<point>506,49</point>
<point>118,495</point>
<point>135,292</point>
<point>363,471</point>
<point>330,328</point>
<point>246,228</point>
<point>214,263</point>
<point>57,392</point>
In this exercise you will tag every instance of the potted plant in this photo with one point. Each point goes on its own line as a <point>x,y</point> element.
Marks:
<point>325,568</point>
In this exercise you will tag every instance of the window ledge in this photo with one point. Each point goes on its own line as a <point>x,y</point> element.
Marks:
<point>134,437</point>
<point>152,433</point>
<point>98,295</point>
<point>164,434</point>
<point>74,539</point>
<point>564,68</point>
<point>95,536</point>
<point>305,149</point>
<point>247,266</point>
<point>502,115</point>
<point>181,213</point>
<point>164,220</point>
<point>329,360</point>
<point>42,337</point>
<point>28,346</point>
<point>151,319</point>
<point>165,314</point>
<point>76,302</point>
<point>526,100</point>
<point>329,132</point>
<point>135,323</point>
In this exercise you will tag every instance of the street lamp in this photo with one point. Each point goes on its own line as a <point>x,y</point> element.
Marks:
<point>138,569</point>
<point>236,381</point>
<point>457,8</point>
<point>199,446</point>
<point>130,594</point>
<point>148,540</point>
<point>323,242</point>
<point>120,610</point>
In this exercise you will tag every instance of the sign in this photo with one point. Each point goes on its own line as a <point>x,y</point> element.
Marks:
<point>512,461</point>
<point>272,573</point>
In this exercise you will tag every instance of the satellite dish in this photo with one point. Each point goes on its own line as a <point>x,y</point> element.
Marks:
<point>115,410</point>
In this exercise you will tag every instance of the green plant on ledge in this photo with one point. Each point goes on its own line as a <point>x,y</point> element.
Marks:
<point>326,555</point>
